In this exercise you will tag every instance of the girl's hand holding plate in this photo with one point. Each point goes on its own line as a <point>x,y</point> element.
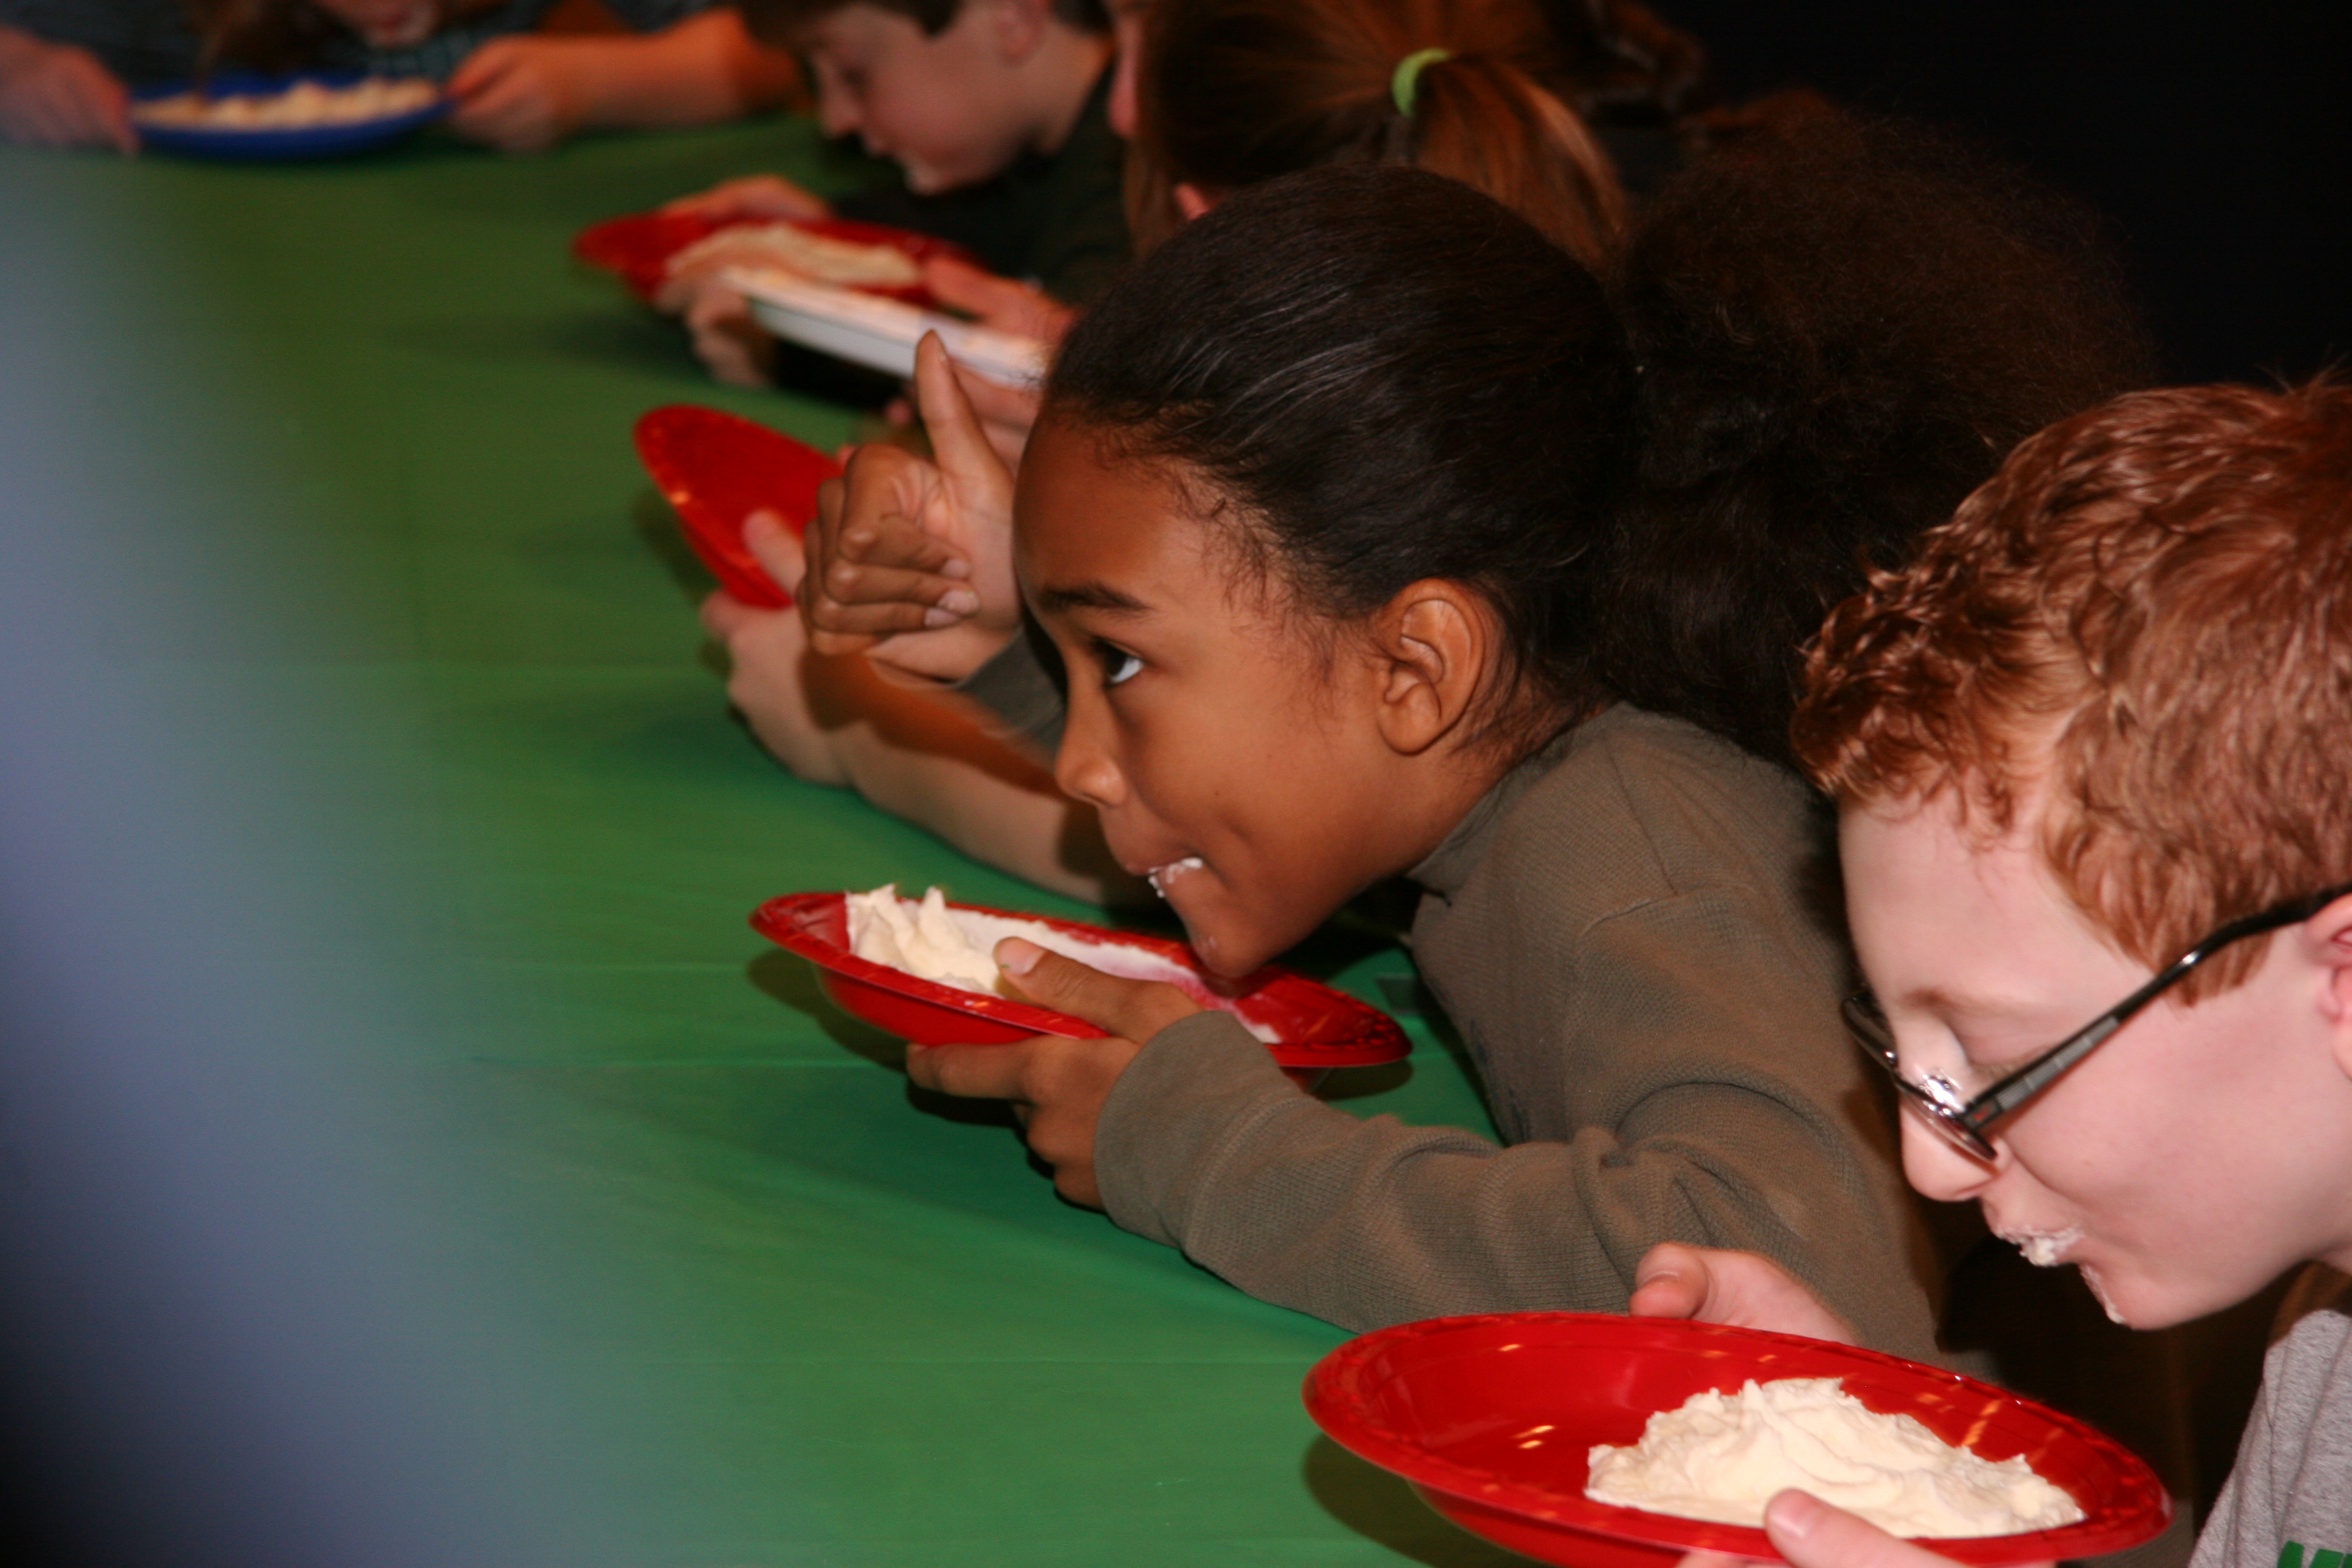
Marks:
<point>910,563</point>
<point>1058,1086</point>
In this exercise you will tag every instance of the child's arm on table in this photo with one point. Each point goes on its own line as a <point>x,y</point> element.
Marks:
<point>1203,1145</point>
<point>837,721</point>
<point>525,94</point>
<point>58,95</point>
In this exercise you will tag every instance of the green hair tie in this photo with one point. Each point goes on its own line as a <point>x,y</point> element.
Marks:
<point>1406,82</point>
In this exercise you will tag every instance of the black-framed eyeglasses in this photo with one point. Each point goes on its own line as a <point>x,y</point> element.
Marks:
<point>1963,1120</point>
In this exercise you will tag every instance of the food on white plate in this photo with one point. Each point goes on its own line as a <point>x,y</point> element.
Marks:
<point>306,103</point>
<point>1723,1456</point>
<point>826,257</point>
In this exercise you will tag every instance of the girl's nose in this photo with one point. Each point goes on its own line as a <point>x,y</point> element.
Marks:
<point>1939,1170</point>
<point>1085,770</point>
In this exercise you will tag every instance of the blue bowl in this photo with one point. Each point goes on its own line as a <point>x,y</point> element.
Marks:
<point>272,143</point>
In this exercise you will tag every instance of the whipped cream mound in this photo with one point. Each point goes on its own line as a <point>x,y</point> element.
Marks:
<point>957,947</point>
<point>923,938</point>
<point>1724,1457</point>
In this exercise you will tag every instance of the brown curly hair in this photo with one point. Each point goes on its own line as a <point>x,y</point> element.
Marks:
<point>2146,615</point>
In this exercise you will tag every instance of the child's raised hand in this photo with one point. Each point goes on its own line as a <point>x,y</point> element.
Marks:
<point>1741,1289</point>
<point>1058,1086</point>
<point>909,561</point>
<point>754,196</point>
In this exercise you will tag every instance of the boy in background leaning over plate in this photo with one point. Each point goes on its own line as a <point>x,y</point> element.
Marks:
<point>65,64</point>
<point>998,112</point>
<point>2096,742</point>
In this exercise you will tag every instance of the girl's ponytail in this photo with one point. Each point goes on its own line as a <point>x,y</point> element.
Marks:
<point>1234,92</point>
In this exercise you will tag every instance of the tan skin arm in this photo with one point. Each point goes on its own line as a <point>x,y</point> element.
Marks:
<point>917,754</point>
<point>527,93</point>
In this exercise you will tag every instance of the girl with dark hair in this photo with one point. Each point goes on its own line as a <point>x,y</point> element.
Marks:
<point>1224,94</point>
<point>1316,519</point>
<point>1428,513</point>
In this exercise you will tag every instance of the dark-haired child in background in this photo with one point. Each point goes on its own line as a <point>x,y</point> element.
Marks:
<point>1324,630</point>
<point>66,66</point>
<point>999,114</point>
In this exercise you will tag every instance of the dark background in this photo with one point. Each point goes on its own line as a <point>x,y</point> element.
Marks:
<point>2216,137</point>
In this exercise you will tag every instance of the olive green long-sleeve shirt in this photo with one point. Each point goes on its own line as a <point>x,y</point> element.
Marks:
<point>1635,934</point>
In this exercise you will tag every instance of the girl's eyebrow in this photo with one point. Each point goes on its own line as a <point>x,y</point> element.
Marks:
<point>1090,596</point>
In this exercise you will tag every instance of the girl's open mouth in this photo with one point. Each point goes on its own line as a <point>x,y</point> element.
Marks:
<point>1160,876</point>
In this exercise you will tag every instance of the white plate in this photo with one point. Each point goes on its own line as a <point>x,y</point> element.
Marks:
<point>878,333</point>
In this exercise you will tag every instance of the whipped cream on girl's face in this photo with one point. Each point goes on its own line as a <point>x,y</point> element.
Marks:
<point>1160,876</point>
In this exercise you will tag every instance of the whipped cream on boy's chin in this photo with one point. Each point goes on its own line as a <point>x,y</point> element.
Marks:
<point>2048,1249</point>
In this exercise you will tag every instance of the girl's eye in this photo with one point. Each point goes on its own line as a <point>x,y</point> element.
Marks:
<point>1119,666</point>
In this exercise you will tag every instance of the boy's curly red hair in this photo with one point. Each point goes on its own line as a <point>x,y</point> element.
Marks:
<point>2148,610</point>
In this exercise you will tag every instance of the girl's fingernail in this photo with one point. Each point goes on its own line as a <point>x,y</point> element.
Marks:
<point>938,615</point>
<point>1017,957</point>
<point>1793,1514</point>
<point>962,601</point>
<point>958,569</point>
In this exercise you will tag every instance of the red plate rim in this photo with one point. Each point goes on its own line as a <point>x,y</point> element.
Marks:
<point>1339,1388</point>
<point>1377,1040</point>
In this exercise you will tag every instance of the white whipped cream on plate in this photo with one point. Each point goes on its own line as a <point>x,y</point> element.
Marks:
<point>1723,1456</point>
<point>955,947</point>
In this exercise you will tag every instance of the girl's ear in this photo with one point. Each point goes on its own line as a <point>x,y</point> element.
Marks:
<point>1191,200</point>
<point>1435,643</point>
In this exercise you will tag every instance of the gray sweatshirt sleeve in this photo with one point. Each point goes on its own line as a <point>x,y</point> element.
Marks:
<point>1685,1133</point>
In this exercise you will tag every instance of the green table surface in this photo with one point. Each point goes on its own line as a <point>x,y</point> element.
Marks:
<point>799,1314</point>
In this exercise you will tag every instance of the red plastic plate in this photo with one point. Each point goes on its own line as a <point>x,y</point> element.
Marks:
<point>636,248</point>
<point>717,470</point>
<point>1315,1025</point>
<point>1490,1418</point>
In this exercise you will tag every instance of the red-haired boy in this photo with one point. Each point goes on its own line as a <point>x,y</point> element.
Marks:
<point>2093,754</point>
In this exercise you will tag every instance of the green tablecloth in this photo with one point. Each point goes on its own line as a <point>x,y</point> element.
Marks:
<point>806,1318</point>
